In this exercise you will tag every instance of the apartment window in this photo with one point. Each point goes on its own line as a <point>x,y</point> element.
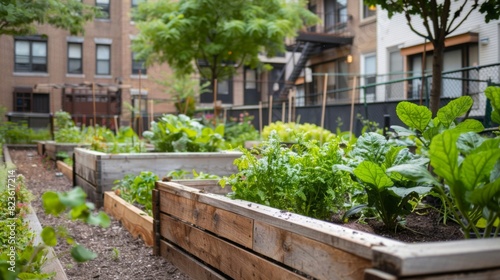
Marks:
<point>103,59</point>
<point>369,10</point>
<point>104,6</point>
<point>370,75</point>
<point>30,55</point>
<point>27,101</point>
<point>138,65</point>
<point>335,14</point>
<point>75,58</point>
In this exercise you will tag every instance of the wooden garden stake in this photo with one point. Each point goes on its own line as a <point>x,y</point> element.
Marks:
<point>270,109</point>
<point>354,82</point>
<point>260,116</point>
<point>323,106</point>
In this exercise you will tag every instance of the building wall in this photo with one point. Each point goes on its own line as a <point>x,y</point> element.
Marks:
<point>395,33</point>
<point>119,29</point>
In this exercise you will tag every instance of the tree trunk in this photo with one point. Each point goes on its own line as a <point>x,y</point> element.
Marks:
<point>437,81</point>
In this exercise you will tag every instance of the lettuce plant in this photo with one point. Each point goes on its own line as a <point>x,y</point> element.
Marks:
<point>183,134</point>
<point>391,195</point>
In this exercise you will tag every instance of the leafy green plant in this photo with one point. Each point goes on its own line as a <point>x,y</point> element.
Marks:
<point>291,132</point>
<point>237,131</point>
<point>138,189</point>
<point>115,254</point>
<point>183,134</point>
<point>296,179</point>
<point>183,174</point>
<point>423,128</point>
<point>493,94</point>
<point>393,197</point>
<point>20,133</point>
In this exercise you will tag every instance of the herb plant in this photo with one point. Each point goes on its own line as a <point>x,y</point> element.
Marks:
<point>291,132</point>
<point>138,189</point>
<point>183,134</point>
<point>296,179</point>
<point>391,195</point>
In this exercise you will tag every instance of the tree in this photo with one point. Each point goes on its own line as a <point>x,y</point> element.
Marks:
<point>19,17</point>
<point>216,37</point>
<point>439,20</point>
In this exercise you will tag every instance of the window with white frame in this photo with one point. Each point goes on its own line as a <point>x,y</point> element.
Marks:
<point>104,7</point>
<point>103,59</point>
<point>75,65</point>
<point>369,76</point>
<point>30,55</point>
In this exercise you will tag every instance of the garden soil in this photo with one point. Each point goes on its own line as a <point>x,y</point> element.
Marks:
<point>120,256</point>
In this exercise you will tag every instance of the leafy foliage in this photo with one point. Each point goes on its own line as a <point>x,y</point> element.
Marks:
<point>221,35</point>
<point>20,17</point>
<point>296,179</point>
<point>392,197</point>
<point>423,127</point>
<point>237,131</point>
<point>138,189</point>
<point>183,134</point>
<point>493,94</point>
<point>291,132</point>
<point>20,133</point>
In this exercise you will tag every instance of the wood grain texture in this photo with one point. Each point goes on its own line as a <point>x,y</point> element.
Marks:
<point>352,241</point>
<point>438,257</point>
<point>136,221</point>
<point>309,256</point>
<point>65,169</point>
<point>208,186</point>
<point>233,261</point>
<point>234,227</point>
<point>187,264</point>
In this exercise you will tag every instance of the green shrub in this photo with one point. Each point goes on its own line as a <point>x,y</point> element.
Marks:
<point>289,132</point>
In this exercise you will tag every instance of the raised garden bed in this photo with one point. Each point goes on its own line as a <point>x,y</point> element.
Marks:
<point>136,221</point>
<point>208,235</point>
<point>65,169</point>
<point>96,172</point>
<point>51,148</point>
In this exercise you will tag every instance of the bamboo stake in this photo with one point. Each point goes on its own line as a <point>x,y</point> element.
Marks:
<point>116,123</point>
<point>215,101</point>
<point>290,106</point>
<point>270,113</point>
<point>93,102</point>
<point>283,109</point>
<point>260,116</point>
<point>323,106</point>
<point>151,112</point>
<point>354,82</point>
<point>139,126</point>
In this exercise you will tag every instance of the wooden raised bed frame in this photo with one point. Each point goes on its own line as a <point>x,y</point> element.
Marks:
<point>136,221</point>
<point>51,148</point>
<point>96,172</point>
<point>210,236</point>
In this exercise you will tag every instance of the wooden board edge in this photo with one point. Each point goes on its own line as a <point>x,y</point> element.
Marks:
<point>65,169</point>
<point>136,221</point>
<point>187,264</point>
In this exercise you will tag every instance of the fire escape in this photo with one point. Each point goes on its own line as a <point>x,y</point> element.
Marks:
<point>335,32</point>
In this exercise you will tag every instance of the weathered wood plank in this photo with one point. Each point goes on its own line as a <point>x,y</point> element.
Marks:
<point>52,148</point>
<point>233,261</point>
<point>65,169</point>
<point>87,157</point>
<point>136,221</point>
<point>209,186</point>
<point>309,256</point>
<point>89,174</point>
<point>223,223</point>
<point>352,241</point>
<point>475,275</point>
<point>438,257</point>
<point>188,264</point>
<point>375,274</point>
<point>89,189</point>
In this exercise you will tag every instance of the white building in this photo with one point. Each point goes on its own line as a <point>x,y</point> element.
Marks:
<point>399,49</point>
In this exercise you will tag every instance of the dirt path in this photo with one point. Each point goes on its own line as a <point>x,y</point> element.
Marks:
<point>120,256</point>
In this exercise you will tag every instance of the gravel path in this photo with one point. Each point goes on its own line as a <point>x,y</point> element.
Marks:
<point>120,256</point>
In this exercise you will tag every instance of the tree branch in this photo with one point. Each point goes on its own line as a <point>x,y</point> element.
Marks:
<point>450,30</point>
<point>408,19</point>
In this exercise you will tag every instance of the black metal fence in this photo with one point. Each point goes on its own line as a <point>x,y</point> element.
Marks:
<point>375,101</point>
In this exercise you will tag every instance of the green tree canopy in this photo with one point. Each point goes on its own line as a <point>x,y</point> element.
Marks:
<point>19,17</point>
<point>216,37</point>
<point>440,18</point>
